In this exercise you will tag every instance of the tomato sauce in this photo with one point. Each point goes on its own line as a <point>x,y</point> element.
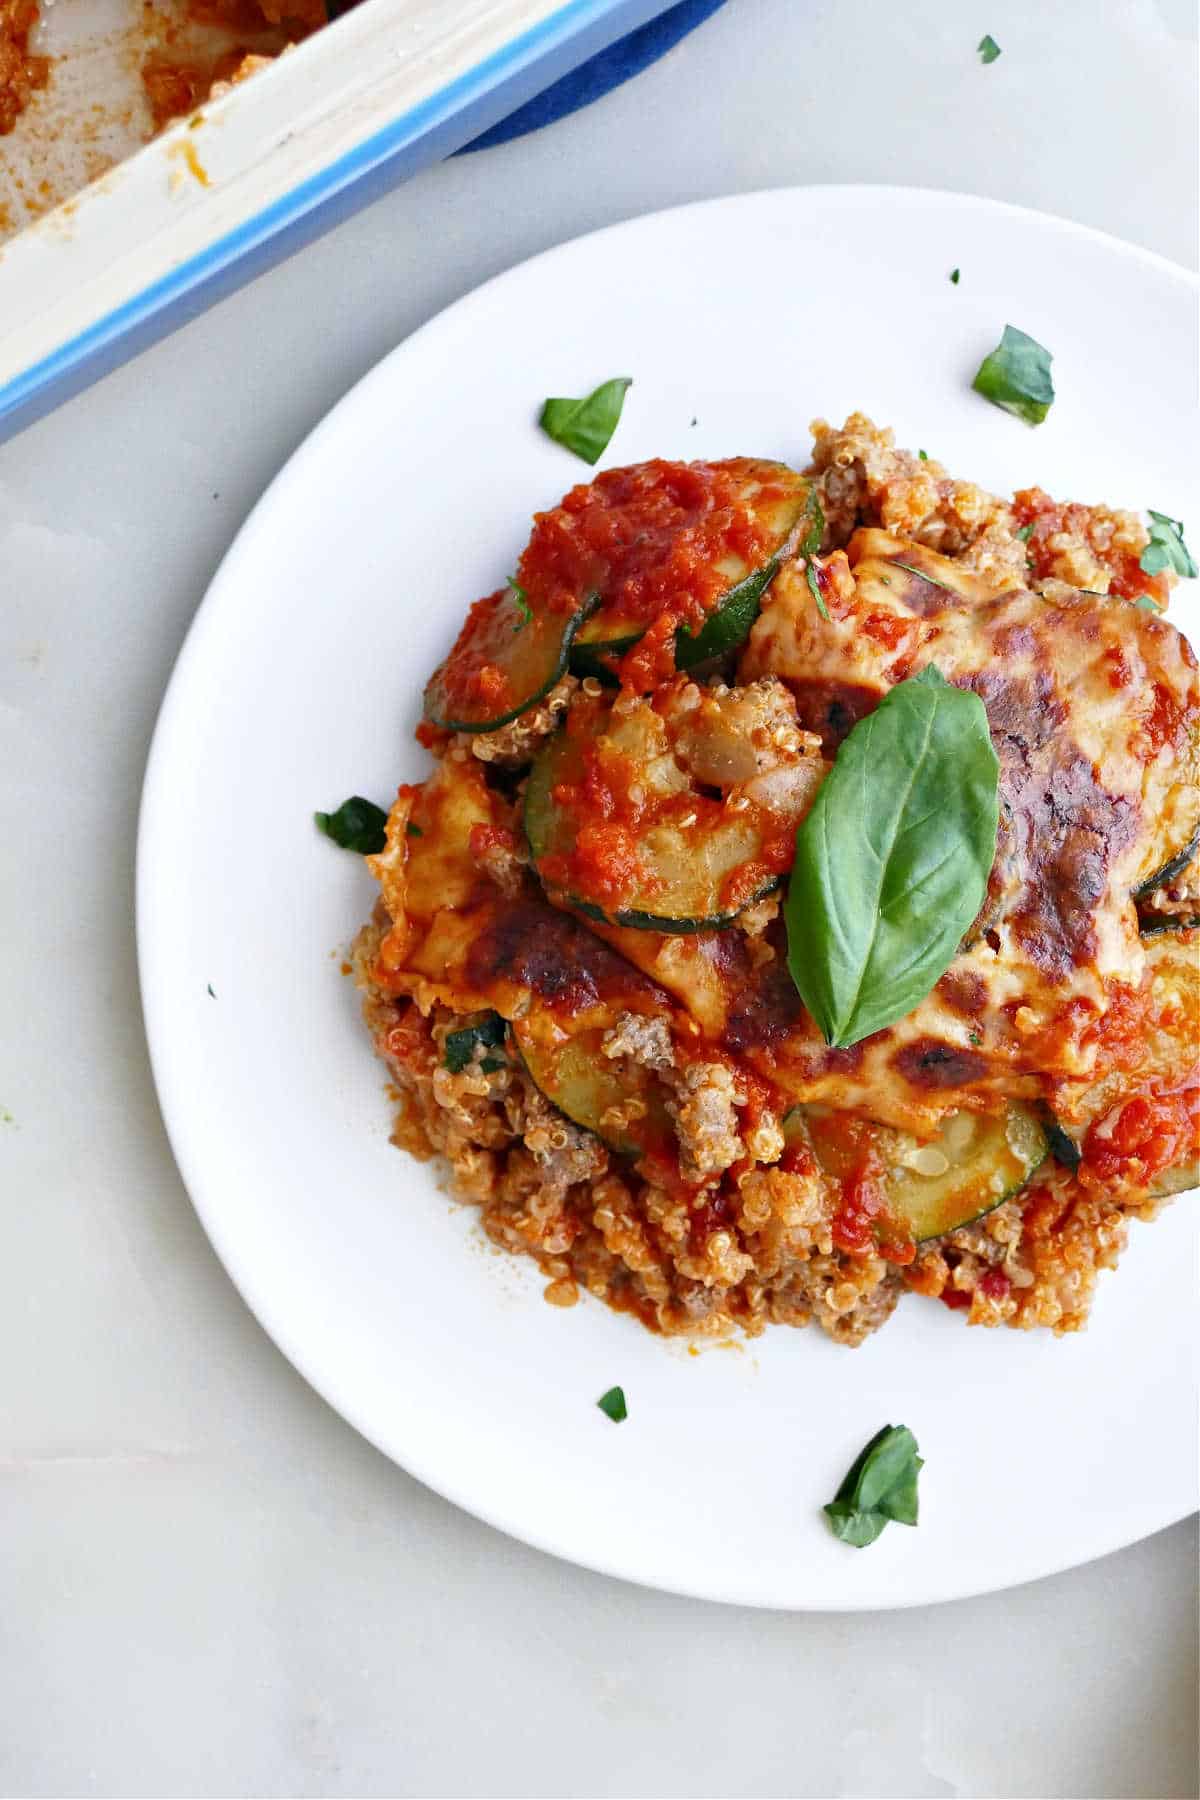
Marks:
<point>1145,1135</point>
<point>850,1150</point>
<point>1033,507</point>
<point>651,538</point>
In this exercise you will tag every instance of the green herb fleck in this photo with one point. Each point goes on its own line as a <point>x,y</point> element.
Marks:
<point>954,276</point>
<point>1166,549</point>
<point>522,601</point>
<point>921,454</point>
<point>460,1046</point>
<point>912,569</point>
<point>810,543</point>
<point>211,995</point>
<point>976,1038</point>
<point>6,1117</point>
<point>412,830</point>
<point>1025,533</point>
<point>612,1405</point>
<point>892,861</point>
<point>585,426</point>
<point>880,1487</point>
<point>989,49</point>
<point>357,824</point>
<point>1016,377</point>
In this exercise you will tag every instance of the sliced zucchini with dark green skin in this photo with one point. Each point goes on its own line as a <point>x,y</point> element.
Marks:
<point>506,658</point>
<point>611,633</point>
<point>676,867</point>
<point>1173,867</point>
<point>622,1102</point>
<point>729,626</point>
<point>1062,1146</point>
<point>976,1162</point>
<point>1176,1181</point>
<point>1159,924</point>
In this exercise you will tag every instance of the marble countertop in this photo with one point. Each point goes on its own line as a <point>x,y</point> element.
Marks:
<point>208,1583</point>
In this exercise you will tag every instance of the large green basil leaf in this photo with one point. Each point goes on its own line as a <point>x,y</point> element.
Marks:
<point>1016,376</point>
<point>585,426</point>
<point>892,862</point>
<point>880,1486</point>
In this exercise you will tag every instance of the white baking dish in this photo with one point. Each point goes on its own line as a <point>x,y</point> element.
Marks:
<point>389,88</point>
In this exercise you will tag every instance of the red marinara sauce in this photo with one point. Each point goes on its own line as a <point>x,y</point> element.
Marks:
<point>1145,1135</point>
<point>651,538</point>
<point>1046,518</point>
<point>862,1223</point>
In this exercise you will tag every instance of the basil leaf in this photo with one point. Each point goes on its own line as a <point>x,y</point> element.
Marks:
<point>1166,549</point>
<point>460,1046</point>
<point>586,426</point>
<point>357,824</point>
<point>912,569</point>
<point>879,1487</point>
<point>1016,376</point>
<point>521,601</point>
<point>852,1526</point>
<point>988,48</point>
<point>810,543</point>
<point>892,862</point>
<point>954,275</point>
<point>1025,533</point>
<point>613,1406</point>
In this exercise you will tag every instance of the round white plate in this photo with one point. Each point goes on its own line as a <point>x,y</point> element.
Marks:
<point>739,321</point>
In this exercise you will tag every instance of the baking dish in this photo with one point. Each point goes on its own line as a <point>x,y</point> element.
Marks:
<point>249,177</point>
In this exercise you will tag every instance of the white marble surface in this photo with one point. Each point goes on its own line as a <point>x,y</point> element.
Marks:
<point>208,1584</point>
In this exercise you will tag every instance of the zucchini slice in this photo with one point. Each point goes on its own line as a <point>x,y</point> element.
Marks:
<point>1176,863</point>
<point>976,1162</point>
<point>768,498</point>
<point>1176,1181</point>
<point>1177,813</point>
<point>621,818</point>
<point>1062,1146</point>
<point>622,1102</point>
<point>506,657</point>
<point>1159,924</point>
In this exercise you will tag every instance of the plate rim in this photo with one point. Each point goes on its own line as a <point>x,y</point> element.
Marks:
<point>256,1295</point>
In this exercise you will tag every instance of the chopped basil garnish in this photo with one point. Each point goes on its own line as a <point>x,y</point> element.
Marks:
<point>1166,549</point>
<point>357,824</point>
<point>586,426</point>
<point>892,862</point>
<point>989,49</point>
<point>461,1045</point>
<point>521,601</point>
<point>810,543</point>
<point>211,995</point>
<point>1025,533</point>
<point>413,830</point>
<point>1016,376</point>
<point>954,275</point>
<point>881,1486</point>
<point>922,456</point>
<point>612,1405</point>
<point>912,569</point>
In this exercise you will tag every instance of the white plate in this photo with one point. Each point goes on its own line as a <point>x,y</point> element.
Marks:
<point>739,320</point>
